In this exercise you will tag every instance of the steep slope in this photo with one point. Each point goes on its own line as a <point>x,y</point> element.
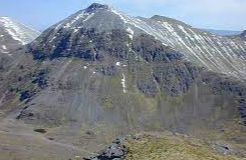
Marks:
<point>216,53</point>
<point>14,34</point>
<point>89,77</point>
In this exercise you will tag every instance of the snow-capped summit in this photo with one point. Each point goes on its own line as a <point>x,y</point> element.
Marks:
<point>98,16</point>
<point>14,34</point>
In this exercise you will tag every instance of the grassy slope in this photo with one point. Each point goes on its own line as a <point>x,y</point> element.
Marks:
<point>172,147</point>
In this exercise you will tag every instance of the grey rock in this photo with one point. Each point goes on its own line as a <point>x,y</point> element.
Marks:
<point>223,148</point>
<point>114,152</point>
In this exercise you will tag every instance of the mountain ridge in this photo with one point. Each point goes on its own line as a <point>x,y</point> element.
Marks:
<point>219,54</point>
<point>14,34</point>
<point>14,29</point>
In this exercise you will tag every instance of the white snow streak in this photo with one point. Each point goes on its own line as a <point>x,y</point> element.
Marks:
<point>131,32</point>
<point>123,82</point>
<point>82,15</point>
<point>4,47</point>
<point>70,23</point>
<point>89,17</point>
<point>120,15</point>
<point>52,39</point>
<point>117,64</point>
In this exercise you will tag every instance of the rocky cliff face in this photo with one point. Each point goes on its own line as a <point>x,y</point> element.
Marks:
<point>89,77</point>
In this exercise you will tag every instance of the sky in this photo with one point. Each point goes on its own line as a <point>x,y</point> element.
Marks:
<point>212,14</point>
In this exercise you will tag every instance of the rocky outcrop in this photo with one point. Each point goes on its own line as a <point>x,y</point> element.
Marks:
<point>167,146</point>
<point>153,50</point>
<point>116,151</point>
<point>86,44</point>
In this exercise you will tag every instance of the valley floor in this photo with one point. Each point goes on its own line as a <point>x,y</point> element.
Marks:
<point>20,142</point>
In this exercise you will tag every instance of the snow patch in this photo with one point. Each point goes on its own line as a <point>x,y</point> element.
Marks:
<point>123,83</point>
<point>53,38</point>
<point>131,32</point>
<point>75,30</point>
<point>117,64</point>
<point>5,52</point>
<point>4,47</point>
<point>168,27</point>
<point>82,15</point>
<point>89,17</point>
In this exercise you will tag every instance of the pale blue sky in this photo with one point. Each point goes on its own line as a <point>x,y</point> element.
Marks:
<point>216,14</point>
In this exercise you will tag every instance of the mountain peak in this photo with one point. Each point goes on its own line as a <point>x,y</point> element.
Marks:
<point>161,18</point>
<point>5,17</point>
<point>170,32</point>
<point>95,6</point>
<point>17,31</point>
<point>167,19</point>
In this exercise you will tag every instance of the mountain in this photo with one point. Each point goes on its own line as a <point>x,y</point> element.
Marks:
<point>14,34</point>
<point>100,74</point>
<point>216,53</point>
<point>222,32</point>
